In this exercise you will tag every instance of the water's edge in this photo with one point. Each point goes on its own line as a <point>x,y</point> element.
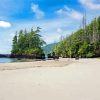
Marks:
<point>8,60</point>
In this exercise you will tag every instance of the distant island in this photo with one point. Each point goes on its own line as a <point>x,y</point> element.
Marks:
<point>5,55</point>
<point>28,44</point>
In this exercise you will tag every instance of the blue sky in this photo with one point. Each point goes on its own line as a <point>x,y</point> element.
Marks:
<point>57,18</point>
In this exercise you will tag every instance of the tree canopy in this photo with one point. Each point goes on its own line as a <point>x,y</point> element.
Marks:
<point>85,42</point>
<point>27,43</point>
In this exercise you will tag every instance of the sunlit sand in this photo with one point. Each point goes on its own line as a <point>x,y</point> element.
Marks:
<point>77,80</point>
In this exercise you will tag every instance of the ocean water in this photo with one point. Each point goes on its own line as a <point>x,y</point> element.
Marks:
<point>7,60</point>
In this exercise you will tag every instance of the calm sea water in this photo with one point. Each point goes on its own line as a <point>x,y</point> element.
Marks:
<point>7,60</point>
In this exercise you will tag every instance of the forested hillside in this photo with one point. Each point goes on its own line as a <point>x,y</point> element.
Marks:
<point>49,48</point>
<point>27,43</point>
<point>83,43</point>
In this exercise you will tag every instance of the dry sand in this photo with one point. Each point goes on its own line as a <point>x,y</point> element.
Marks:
<point>78,80</point>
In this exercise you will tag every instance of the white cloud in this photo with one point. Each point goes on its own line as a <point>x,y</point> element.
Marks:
<point>4,24</point>
<point>59,30</point>
<point>52,37</point>
<point>55,36</point>
<point>76,14</point>
<point>90,4</point>
<point>66,11</point>
<point>38,12</point>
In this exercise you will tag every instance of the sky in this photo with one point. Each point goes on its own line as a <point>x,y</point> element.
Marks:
<point>57,18</point>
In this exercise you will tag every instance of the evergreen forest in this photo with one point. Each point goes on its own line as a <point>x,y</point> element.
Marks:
<point>27,43</point>
<point>83,43</point>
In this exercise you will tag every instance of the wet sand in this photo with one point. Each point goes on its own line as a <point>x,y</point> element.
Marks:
<point>33,64</point>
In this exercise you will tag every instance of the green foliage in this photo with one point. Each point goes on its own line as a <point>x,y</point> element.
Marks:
<point>89,55</point>
<point>15,46</point>
<point>85,50</point>
<point>27,43</point>
<point>33,51</point>
<point>82,43</point>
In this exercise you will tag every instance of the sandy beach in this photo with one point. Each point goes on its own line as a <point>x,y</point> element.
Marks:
<point>65,79</point>
<point>33,64</point>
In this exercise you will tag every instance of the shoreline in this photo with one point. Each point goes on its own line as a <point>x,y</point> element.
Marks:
<point>34,64</point>
<point>62,62</point>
